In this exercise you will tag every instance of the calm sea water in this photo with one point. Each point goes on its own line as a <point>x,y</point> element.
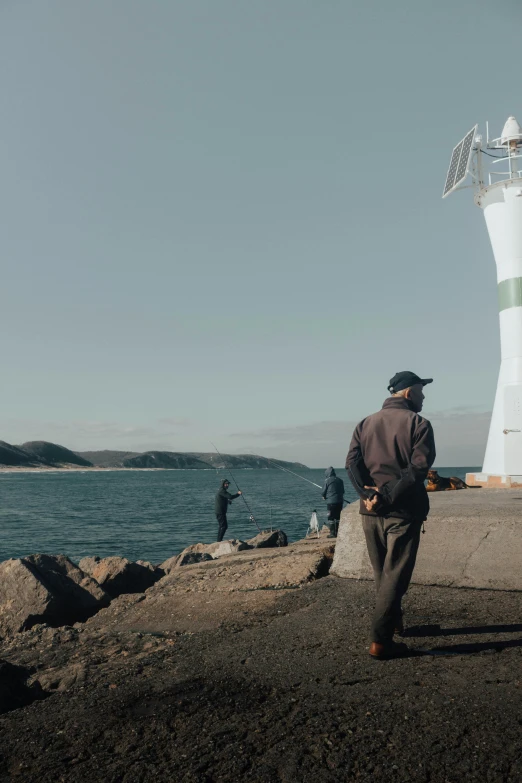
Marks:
<point>149,515</point>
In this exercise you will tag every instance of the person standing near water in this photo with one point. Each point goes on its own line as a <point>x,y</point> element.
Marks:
<point>333,493</point>
<point>223,499</point>
<point>388,461</point>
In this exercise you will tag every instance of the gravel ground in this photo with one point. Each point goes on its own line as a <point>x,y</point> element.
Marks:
<point>289,695</point>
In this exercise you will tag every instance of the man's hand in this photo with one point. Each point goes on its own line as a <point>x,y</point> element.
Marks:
<point>370,504</point>
<point>239,492</point>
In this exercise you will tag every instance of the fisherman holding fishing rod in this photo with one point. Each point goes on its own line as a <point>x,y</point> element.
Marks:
<point>223,499</point>
<point>333,493</point>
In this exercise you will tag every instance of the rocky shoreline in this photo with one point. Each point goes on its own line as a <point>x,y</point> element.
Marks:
<point>242,661</point>
<point>52,590</point>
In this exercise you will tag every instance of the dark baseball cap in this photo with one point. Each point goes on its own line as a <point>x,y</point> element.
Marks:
<point>405,379</point>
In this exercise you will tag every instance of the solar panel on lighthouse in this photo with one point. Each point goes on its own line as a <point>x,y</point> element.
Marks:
<point>459,162</point>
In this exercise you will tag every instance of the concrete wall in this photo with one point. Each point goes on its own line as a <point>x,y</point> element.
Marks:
<point>473,539</point>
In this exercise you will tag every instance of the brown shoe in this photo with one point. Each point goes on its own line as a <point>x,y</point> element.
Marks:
<point>383,652</point>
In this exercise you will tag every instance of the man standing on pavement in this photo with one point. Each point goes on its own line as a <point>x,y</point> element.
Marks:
<point>390,455</point>
<point>223,499</point>
<point>333,493</point>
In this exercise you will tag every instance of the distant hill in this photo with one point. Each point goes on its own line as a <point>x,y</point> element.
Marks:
<point>53,455</point>
<point>239,461</point>
<point>14,456</point>
<point>41,453</point>
<point>180,460</point>
<point>107,458</point>
<point>165,459</point>
<point>38,454</point>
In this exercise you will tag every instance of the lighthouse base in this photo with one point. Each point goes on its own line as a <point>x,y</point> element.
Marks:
<point>493,481</point>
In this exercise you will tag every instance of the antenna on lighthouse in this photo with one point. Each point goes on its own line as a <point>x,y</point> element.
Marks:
<point>500,198</point>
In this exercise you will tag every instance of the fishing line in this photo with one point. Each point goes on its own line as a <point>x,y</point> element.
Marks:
<point>270,497</point>
<point>286,470</point>
<point>299,507</point>
<point>252,517</point>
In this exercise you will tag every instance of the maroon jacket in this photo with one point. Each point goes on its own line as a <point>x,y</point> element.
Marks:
<point>393,451</point>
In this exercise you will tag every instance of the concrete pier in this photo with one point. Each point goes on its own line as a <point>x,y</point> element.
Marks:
<point>473,538</point>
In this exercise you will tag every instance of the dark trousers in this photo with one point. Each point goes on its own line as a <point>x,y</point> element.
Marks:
<point>392,546</point>
<point>222,526</point>
<point>334,515</point>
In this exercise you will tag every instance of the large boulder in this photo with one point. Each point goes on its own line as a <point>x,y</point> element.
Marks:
<point>268,538</point>
<point>117,575</point>
<point>46,589</point>
<point>225,590</point>
<point>473,539</point>
<point>185,558</point>
<point>196,553</point>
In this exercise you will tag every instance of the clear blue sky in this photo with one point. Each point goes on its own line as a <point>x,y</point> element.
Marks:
<point>223,220</point>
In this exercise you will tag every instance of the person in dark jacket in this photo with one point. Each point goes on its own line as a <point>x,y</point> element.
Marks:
<point>333,493</point>
<point>221,504</point>
<point>388,461</point>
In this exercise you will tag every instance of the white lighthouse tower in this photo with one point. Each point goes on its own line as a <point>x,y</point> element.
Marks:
<point>498,191</point>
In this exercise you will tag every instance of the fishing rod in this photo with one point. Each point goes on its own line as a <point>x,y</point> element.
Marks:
<point>286,470</point>
<point>252,517</point>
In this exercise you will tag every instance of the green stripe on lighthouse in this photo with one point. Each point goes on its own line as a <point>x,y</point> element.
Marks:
<point>510,293</point>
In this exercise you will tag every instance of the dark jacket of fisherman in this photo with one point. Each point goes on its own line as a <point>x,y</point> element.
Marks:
<point>333,488</point>
<point>223,499</point>
<point>393,450</point>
